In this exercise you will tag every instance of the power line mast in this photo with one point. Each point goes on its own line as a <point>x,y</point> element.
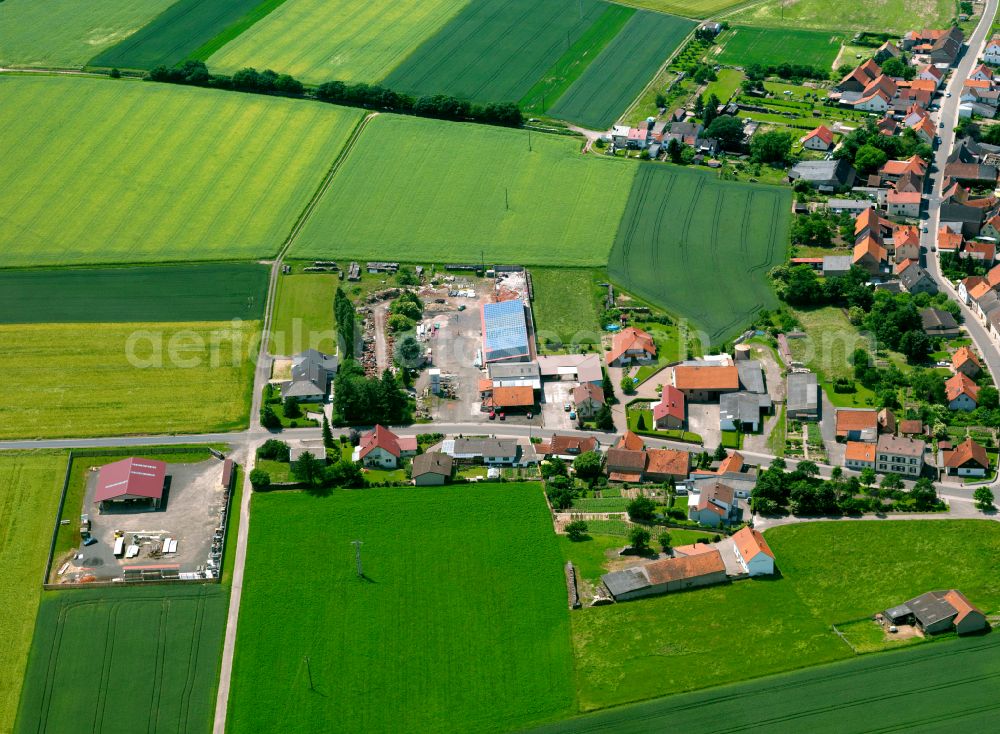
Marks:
<point>357,556</point>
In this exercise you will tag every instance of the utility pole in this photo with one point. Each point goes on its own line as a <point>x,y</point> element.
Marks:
<point>357,556</point>
<point>506,200</point>
<point>309,673</point>
<point>529,139</point>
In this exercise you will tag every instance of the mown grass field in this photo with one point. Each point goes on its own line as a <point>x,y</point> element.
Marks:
<point>30,483</point>
<point>746,45</point>
<point>890,16</point>
<point>692,9</point>
<point>566,306</point>
<point>461,624</point>
<point>701,247</point>
<point>681,642</point>
<point>318,41</point>
<point>181,30</point>
<point>75,380</point>
<point>495,50</point>
<point>303,314</point>
<point>476,190</point>
<point>209,292</point>
<point>103,171</point>
<point>125,659</point>
<point>66,33</point>
<point>930,688</point>
<point>617,76</point>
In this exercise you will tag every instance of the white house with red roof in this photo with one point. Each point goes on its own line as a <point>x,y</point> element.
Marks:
<point>382,449</point>
<point>991,55</point>
<point>820,138</point>
<point>669,413</point>
<point>753,552</point>
<point>982,73</point>
<point>631,345</point>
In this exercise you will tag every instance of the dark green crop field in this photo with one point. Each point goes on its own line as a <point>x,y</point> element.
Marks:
<point>622,69</point>
<point>495,50</point>
<point>701,247</point>
<point>125,659</point>
<point>941,687</point>
<point>210,292</point>
<point>459,625</point>
<point>179,31</point>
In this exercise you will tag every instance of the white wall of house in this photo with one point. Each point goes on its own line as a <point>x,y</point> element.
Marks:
<point>381,458</point>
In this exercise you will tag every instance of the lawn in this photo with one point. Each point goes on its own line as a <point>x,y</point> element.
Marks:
<point>125,659</point>
<point>460,624</point>
<point>617,76</point>
<point>745,45</point>
<point>318,41</point>
<point>66,33</point>
<point>476,191</point>
<point>701,247</point>
<point>209,292</point>
<point>30,483</point>
<point>929,688</point>
<point>303,314</point>
<point>680,642</point>
<point>182,29</point>
<point>75,380</point>
<point>889,16</point>
<point>728,82</point>
<point>102,171</point>
<point>495,50</point>
<point>567,306</point>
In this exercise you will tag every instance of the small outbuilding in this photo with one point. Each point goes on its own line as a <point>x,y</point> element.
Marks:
<point>939,611</point>
<point>432,468</point>
<point>666,575</point>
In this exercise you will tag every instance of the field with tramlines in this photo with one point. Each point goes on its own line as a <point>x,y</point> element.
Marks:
<point>459,624</point>
<point>64,33</point>
<point>207,292</point>
<point>701,247</point>
<point>30,483</point>
<point>623,68</point>
<point>476,191</point>
<point>886,16</point>
<point>318,41</point>
<point>125,659</point>
<point>180,31</point>
<point>99,171</point>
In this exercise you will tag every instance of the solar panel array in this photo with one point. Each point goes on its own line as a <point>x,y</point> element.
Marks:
<point>505,332</point>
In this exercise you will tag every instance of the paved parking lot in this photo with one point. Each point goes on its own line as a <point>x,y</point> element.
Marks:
<point>554,413</point>
<point>703,419</point>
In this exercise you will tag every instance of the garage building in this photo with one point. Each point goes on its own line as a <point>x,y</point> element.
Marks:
<point>131,481</point>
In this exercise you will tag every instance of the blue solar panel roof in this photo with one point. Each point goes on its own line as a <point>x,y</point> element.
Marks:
<point>505,333</point>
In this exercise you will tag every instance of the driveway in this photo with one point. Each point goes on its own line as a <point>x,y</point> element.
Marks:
<point>703,419</point>
<point>554,415</point>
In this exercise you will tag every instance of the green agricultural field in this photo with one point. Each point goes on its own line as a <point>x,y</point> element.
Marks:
<point>66,33</point>
<point>303,314</point>
<point>745,45</point>
<point>727,82</point>
<point>180,31</point>
<point>209,292</point>
<point>688,8</point>
<point>73,380</point>
<point>701,247</point>
<point>566,306</point>
<point>102,171</point>
<point>890,16</point>
<point>125,659</point>
<point>318,41</point>
<point>931,688</point>
<point>617,76</point>
<point>575,60</point>
<point>680,642</point>
<point>460,623</point>
<point>30,483</point>
<point>476,190</point>
<point>495,50</point>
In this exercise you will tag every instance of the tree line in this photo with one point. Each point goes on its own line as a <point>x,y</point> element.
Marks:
<point>373,96</point>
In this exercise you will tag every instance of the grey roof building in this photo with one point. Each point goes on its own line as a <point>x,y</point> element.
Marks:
<point>936,322</point>
<point>312,372</point>
<point>751,375</point>
<point>836,265</point>
<point>802,402</point>
<point>738,410</point>
<point>939,611</point>
<point>824,175</point>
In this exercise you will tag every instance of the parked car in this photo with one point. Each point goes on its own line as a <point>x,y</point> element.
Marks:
<point>493,414</point>
<point>503,416</point>
<point>567,407</point>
